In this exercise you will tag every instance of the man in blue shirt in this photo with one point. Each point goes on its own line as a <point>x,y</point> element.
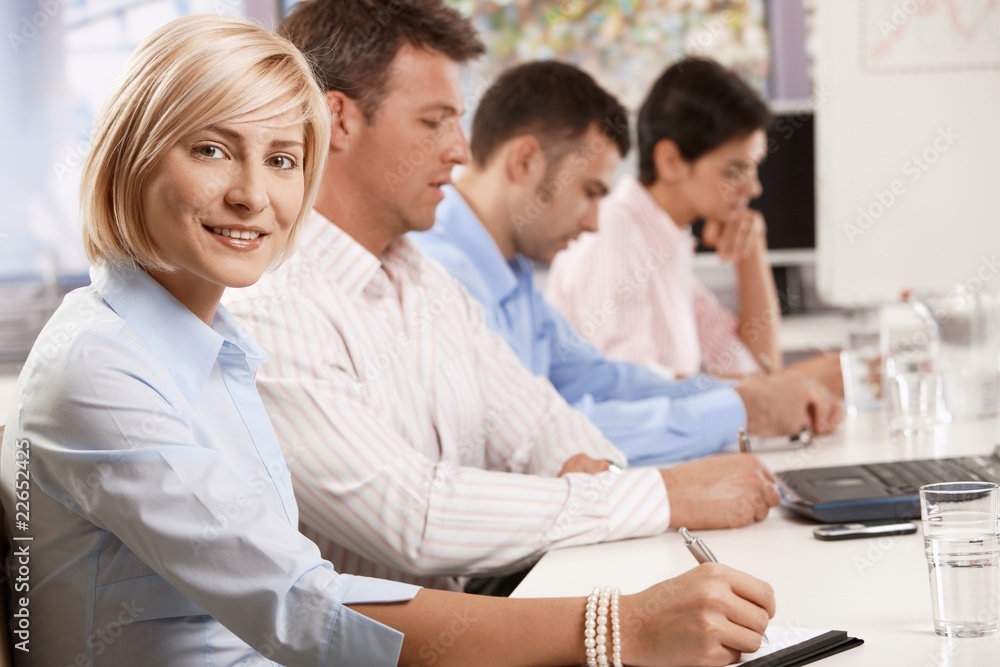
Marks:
<point>546,142</point>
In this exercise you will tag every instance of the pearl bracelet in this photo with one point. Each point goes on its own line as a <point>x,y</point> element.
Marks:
<point>590,628</point>
<point>602,604</point>
<point>616,630</point>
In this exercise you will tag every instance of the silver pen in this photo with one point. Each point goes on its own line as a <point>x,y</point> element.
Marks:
<point>803,437</point>
<point>744,441</point>
<point>703,554</point>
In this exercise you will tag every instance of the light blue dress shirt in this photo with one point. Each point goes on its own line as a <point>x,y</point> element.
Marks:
<point>649,417</point>
<point>162,522</point>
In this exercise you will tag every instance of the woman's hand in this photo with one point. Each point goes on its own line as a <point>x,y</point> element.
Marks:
<point>737,239</point>
<point>707,616</point>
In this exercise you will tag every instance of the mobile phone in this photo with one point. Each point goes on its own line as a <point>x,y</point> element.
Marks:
<point>850,531</point>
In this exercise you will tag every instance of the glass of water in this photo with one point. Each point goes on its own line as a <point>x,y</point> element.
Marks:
<point>912,390</point>
<point>967,323</point>
<point>914,404</point>
<point>860,361</point>
<point>961,524</point>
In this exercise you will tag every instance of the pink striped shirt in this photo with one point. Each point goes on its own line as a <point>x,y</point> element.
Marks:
<point>630,290</point>
<point>421,450</point>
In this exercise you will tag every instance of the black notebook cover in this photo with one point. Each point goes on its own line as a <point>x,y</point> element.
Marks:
<point>811,650</point>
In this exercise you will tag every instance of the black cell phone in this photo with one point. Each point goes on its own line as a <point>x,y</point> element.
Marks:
<point>851,531</point>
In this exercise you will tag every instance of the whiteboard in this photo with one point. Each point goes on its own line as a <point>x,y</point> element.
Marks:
<point>907,147</point>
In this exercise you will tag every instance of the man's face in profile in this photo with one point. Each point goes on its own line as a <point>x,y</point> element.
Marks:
<point>414,139</point>
<point>568,197</point>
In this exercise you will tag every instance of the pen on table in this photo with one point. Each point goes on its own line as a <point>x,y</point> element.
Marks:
<point>703,554</point>
<point>804,437</point>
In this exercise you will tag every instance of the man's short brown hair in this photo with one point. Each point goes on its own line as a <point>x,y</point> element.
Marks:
<point>554,101</point>
<point>353,43</point>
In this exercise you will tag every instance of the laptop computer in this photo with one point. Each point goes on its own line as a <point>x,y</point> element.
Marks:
<point>843,494</point>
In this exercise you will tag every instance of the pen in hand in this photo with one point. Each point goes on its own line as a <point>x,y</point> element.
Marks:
<point>765,363</point>
<point>744,447</point>
<point>703,554</point>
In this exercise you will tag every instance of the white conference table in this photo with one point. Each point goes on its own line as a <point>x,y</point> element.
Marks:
<point>875,588</point>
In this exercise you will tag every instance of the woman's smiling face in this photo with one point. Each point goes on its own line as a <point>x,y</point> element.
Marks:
<point>221,202</point>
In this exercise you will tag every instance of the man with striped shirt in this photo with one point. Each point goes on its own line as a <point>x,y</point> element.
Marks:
<point>546,142</point>
<point>421,450</point>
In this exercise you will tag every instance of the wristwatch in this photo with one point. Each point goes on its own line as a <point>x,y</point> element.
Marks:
<point>614,467</point>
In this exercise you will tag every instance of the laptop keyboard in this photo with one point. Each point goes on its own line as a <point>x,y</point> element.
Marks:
<point>906,477</point>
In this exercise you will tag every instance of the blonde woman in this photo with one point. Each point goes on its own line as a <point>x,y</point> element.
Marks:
<point>162,519</point>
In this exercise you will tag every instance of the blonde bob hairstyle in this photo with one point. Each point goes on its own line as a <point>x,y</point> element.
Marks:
<point>194,72</point>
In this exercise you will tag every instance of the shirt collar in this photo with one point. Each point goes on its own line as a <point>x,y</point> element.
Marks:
<point>344,261</point>
<point>348,264</point>
<point>458,223</point>
<point>182,342</point>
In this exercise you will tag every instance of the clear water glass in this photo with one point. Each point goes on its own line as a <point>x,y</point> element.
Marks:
<point>961,524</point>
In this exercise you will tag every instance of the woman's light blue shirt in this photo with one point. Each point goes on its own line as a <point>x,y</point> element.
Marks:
<point>162,522</point>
